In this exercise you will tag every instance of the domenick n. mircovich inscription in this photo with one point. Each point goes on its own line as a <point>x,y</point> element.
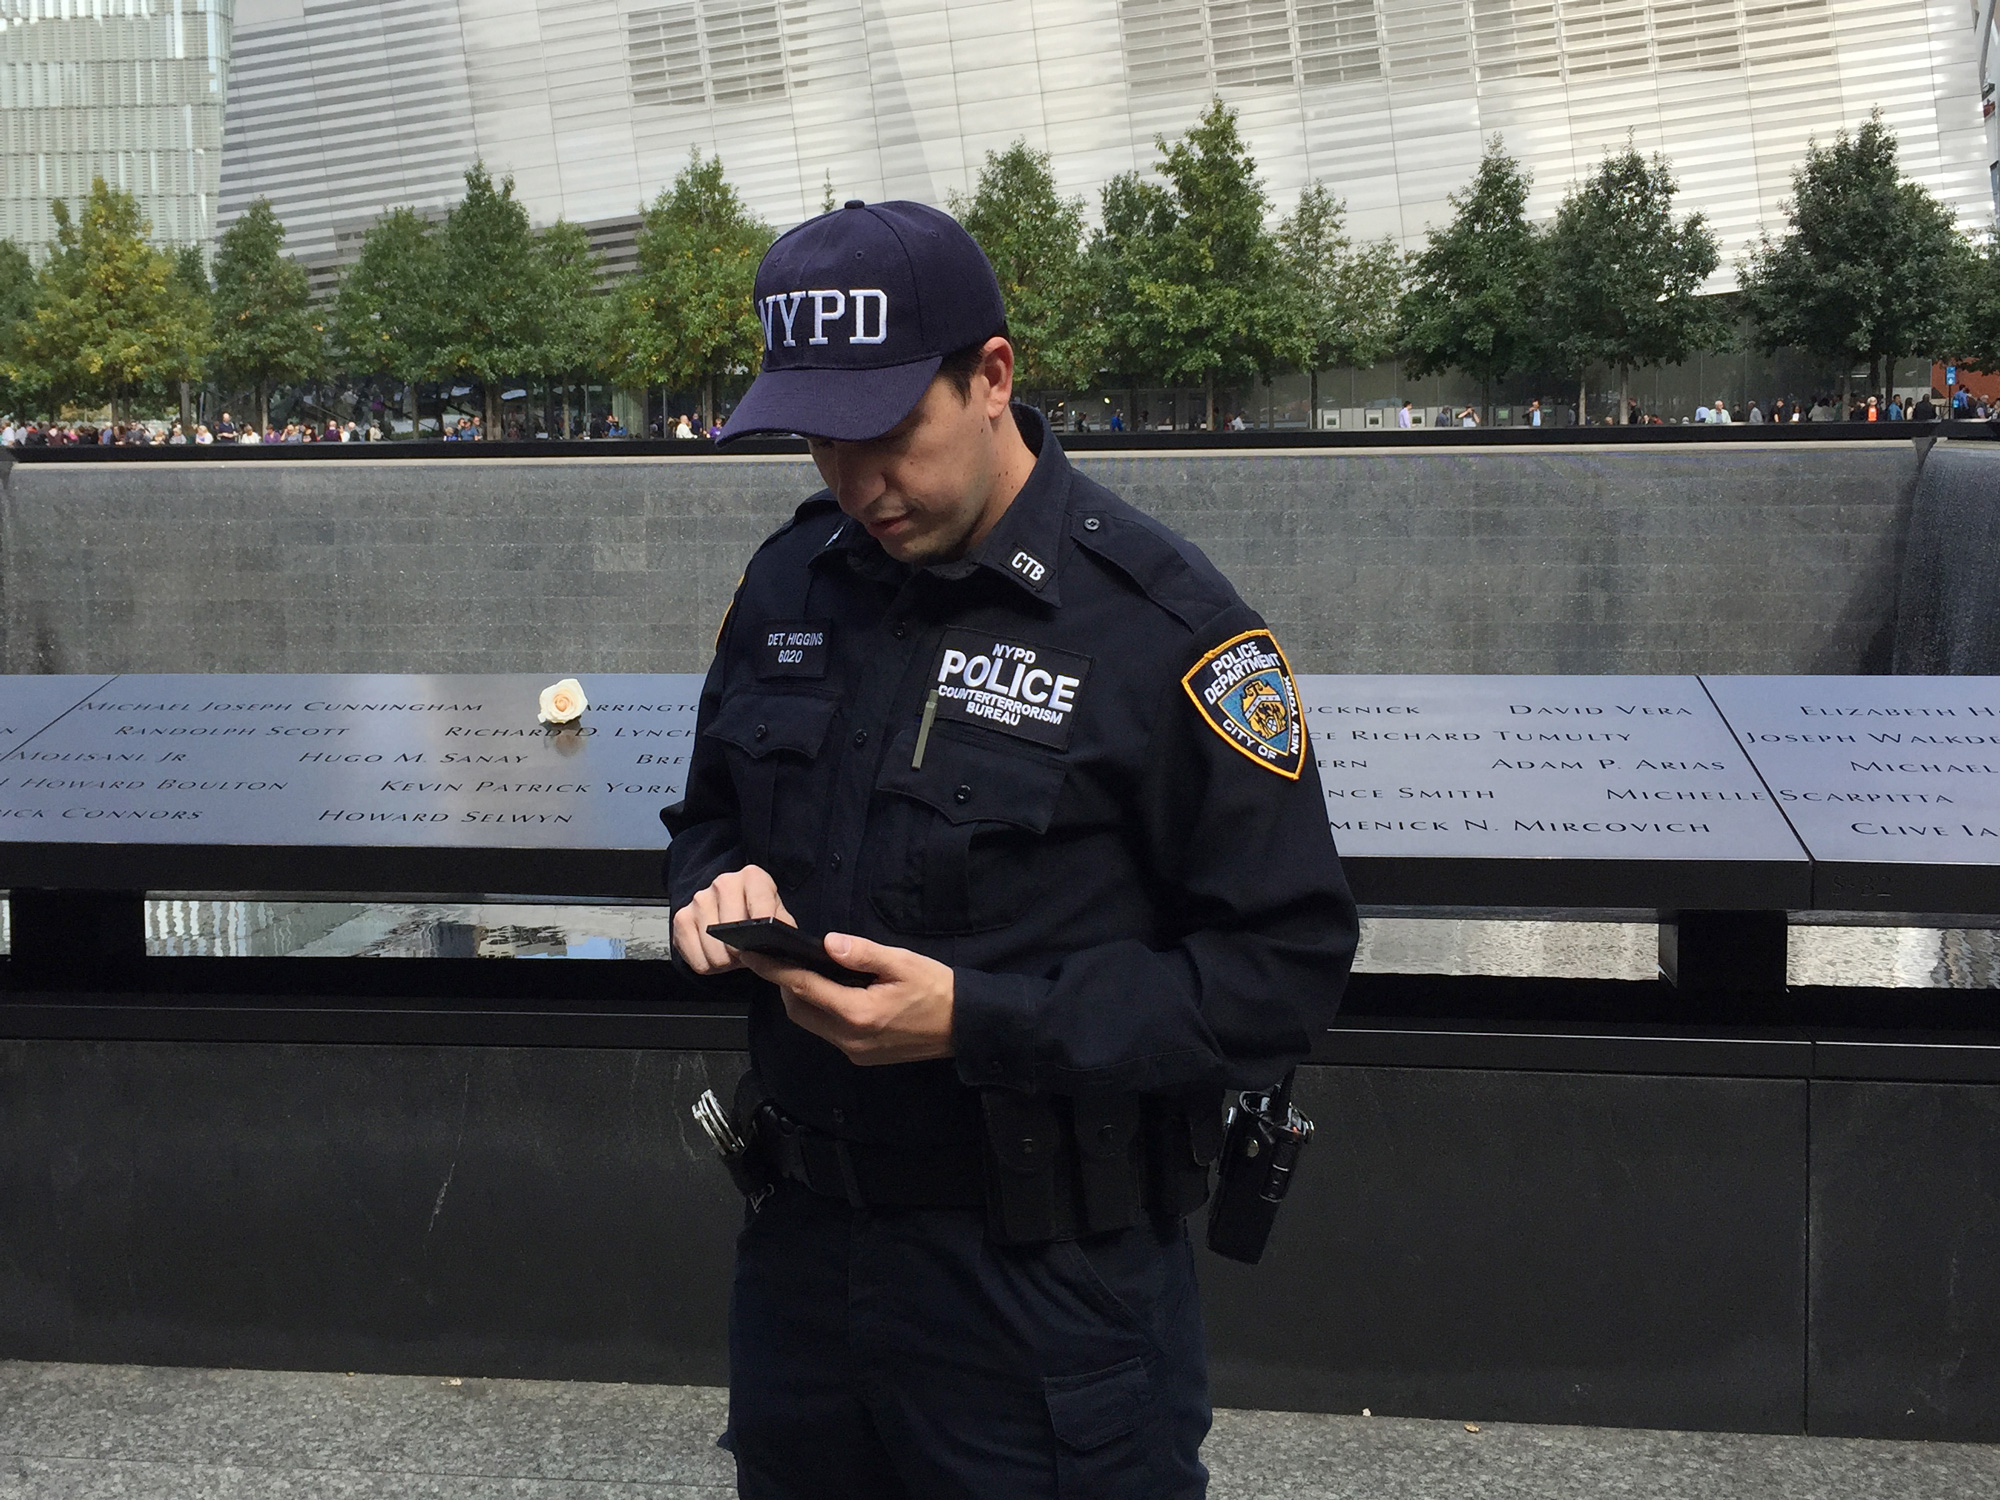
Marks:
<point>344,761</point>
<point>1537,768</point>
<point>1893,783</point>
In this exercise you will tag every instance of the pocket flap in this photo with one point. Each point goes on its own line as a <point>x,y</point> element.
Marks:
<point>974,783</point>
<point>1090,1410</point>
<point>761,723</point>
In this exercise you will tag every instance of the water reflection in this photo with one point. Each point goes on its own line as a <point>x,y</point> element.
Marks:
<point>1906,957</point>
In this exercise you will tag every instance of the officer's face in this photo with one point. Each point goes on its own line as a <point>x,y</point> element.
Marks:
<point>931,488</point>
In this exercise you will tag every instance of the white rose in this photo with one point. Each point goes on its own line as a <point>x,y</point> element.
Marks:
<point>563,702</point>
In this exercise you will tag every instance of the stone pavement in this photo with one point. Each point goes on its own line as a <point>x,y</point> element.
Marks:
<point>92,1432</point>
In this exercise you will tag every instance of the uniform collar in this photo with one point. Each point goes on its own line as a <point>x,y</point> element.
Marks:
<point>1025,545</point>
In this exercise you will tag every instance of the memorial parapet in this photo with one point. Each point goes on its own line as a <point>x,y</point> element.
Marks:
<point>1602,792</point>
<point>375,785</point>
<point>1607,792</point>
<point>1893,783</point>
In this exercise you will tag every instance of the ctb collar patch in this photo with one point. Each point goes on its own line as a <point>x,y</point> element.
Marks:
<point>1244,689</point>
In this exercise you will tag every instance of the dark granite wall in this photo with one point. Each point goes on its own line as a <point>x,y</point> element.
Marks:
<point>1659,559</point>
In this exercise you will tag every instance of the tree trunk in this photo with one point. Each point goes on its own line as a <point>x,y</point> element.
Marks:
<point>1313,380</point>
<point>492,404</point>
<point>1486,400</point>
<point>1846,390</point>
<point>1624,395</point>
<point>1208,396</point>
<point>187,411</point>
<point>1583,399</point>
<point>1875,379</point>
<point>263,409</point>
<point>567,430</point>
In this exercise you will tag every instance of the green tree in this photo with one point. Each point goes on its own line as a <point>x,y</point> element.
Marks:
<point>1978,340</point>
<point>687,315</point>
<point>1871,267</point>
<point>490,313</point>
<point>1342,298</point>
<point>17,301</point>
<point>107,323</point>
<point>1189,275</point>
<point>1034,238</point>
<point>190,283</point>
<point>385,315</point>
<point>573,326</point>
<point>1624,276</point>
<point>1476,286</point>
<point>267,331</point>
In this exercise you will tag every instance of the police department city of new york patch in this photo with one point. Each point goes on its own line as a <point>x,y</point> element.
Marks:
<point>1245,691</point>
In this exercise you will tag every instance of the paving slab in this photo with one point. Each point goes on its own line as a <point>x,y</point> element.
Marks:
<point>107,1432</point>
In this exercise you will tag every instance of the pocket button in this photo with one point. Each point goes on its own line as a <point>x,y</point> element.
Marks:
<point>963,794</point>
<point>761,732</point>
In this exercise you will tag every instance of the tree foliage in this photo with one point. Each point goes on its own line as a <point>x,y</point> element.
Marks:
<point>385,313</point>
<point>17,302</point>
<point>267,331</point>
<point>687,316</point>
<point>1475,287</point>
<point>108,322</point>
<point>1872,265</point>
<point>1624,276</point>
<point>1190,280</point>
<point>1034,237</point>
<point>1343,297</point>
<point>490,311</point>
<point>1977,341</point>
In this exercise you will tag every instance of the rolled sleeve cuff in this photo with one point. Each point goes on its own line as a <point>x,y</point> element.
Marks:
<point>992,1028</point>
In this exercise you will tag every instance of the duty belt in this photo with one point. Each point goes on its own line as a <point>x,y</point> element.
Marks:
<point>868,1176</point>
<point>1047,1169</point>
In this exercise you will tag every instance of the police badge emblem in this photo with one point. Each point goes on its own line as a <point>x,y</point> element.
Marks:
<point>1245,692</point>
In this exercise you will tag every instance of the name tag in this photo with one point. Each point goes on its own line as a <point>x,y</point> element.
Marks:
<point>1027,691</point>
<point>794,648</point>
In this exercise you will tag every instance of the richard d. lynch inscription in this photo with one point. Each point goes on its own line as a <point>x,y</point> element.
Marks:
<point>1873,770</point>
<point>1536,767</point>
<point>352,760</point>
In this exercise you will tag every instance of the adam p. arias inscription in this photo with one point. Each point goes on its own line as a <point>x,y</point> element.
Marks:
<point>1893,783</point>
<point>1501,786</point>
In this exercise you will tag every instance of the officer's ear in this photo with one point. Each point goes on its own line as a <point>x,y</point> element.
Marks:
<point>996,369</point>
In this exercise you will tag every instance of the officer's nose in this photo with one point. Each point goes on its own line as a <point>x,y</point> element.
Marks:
<point>854,476</point>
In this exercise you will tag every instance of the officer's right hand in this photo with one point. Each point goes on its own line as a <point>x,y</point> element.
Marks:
<point>740,896</point>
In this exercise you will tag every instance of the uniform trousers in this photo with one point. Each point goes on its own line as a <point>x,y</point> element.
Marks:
<point>898,1354</point>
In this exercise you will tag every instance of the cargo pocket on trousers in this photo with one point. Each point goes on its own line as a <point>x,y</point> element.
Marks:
<point>1102,1421</point>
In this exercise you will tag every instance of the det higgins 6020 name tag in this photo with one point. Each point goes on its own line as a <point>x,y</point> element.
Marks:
<point>1028,691</point>
<point>793,648</point>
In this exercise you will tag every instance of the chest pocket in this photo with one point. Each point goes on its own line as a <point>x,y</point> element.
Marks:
<point>959,835</point>
<point>774,741</point>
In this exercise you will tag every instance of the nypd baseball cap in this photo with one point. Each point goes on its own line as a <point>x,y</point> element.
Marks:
<point>859,307</point>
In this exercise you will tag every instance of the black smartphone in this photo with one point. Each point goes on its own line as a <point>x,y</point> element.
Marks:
<point>775,939</point>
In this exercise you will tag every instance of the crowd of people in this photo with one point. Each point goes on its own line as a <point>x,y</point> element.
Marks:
<point>15,433</point>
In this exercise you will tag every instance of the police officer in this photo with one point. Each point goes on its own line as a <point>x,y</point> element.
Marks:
<point>1040,778</point>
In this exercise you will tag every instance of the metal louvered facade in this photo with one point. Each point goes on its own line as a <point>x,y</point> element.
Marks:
<point>340,109</point>
<point>131,91</point>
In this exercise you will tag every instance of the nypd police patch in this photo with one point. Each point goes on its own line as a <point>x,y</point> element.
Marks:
<point>1244,690</point>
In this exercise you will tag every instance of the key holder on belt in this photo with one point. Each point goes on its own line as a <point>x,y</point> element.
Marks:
<point>1264,1139</point>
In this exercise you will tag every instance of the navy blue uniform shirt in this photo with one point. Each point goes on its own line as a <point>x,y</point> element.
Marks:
<point>1114,834</point>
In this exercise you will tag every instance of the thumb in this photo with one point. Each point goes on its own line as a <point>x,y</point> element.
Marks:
<point>858,953</point>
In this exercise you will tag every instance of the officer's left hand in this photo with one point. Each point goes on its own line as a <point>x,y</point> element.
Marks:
<point>904,1016</point>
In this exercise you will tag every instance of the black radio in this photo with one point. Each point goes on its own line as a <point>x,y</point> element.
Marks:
<point>1261,1147</point>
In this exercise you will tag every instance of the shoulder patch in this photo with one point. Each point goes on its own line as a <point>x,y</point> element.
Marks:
<point>1244,691</point>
